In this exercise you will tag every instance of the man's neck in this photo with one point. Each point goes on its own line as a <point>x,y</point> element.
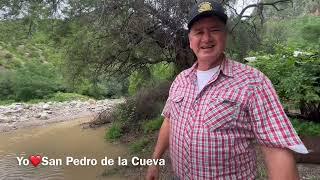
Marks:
<point>209,64</point>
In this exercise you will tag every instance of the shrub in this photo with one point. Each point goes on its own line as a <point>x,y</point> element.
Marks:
<point>8,56</point>
<point>153,124</point>
<point>60,97</point>
<point>35,81</point>
<point>295,77</point>
<point>114,132</point>
<point>306,128</point>
<point>147,104</point>
<point>149,101</point>
<point>138,146</point>
<point>6,85</point>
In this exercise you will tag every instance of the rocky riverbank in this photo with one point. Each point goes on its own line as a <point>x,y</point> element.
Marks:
<point>21,115</point>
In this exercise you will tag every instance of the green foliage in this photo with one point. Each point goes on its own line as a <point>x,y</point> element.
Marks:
<point>295,77</point>
<point>138,146</point>
<point>35,81</point>
<point>146,104</point>
<point>311,33</point>
<point>153,124</point>
<point>162,71</point>
<point>60,97</point>
<point>242,40</point>
<point>6,85</point>
<point>114,132</point>
<point>137,80</point>
<point>150,76</point>
<point>306,128</point>
<point>299,31</point>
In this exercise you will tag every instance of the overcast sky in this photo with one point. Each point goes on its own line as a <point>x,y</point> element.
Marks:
<point>240,4</point>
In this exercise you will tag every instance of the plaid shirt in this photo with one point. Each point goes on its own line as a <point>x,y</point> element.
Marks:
<point>212,132</point>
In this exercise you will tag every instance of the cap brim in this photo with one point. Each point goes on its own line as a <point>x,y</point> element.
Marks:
<point>222,17</point>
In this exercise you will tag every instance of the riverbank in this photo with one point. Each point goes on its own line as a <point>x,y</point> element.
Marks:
<point>22,115</point>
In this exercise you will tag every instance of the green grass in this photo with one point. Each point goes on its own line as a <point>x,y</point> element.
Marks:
<point>153,124</point>
<point>114,132</point>
<point>6,102</point>
<point>138,146</point>
<point>306,128</point>
<point>56,97</point>
<point>60,97</point>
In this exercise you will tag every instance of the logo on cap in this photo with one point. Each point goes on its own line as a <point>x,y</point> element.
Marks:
<point>204,6</point>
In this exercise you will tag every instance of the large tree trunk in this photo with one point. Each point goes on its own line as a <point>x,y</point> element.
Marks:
<point>184,55</point>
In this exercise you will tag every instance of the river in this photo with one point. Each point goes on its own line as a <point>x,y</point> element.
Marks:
<point>57,142</point>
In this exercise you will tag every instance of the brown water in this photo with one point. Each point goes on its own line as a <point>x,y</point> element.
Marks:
<point>56,141</point>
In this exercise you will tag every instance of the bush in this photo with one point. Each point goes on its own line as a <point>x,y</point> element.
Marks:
<point>147,104</point>
<point>306,128</point>
<point>295,77</point>
<point>138,146</point>
<point>60,97</point>
<point>35,81</point>
<point>6,85</point>
<point>153,124</point>
<point>114,132</point>
<point>150,76</point>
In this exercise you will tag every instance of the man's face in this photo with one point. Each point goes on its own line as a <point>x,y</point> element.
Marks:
<point>207,38</point>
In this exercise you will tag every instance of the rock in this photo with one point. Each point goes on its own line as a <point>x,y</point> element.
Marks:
<point>73,103</point>
<point>46,107</point>
<point>17,112</point>
<point>3,119</point>
<point>44,116</point>
<point>92,101</point>
<point>27,106</point>
<point>49,112</point>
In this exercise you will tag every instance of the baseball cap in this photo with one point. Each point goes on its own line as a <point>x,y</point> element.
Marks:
<point>206,8</point>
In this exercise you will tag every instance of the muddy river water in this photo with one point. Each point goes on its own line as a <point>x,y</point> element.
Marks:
<point>57,142</point>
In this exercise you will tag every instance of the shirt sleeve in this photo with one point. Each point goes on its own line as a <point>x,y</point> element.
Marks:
<point>166,110</point>
<point>270,124</point>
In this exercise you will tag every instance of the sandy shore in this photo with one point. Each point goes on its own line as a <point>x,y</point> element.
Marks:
<point>19,115</point>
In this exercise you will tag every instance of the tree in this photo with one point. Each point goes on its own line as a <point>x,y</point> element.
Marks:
<point>131,35</point>
<point>125,35</point>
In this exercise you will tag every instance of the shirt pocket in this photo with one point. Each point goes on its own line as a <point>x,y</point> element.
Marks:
<point>221,114</point>
<point>176,106</point>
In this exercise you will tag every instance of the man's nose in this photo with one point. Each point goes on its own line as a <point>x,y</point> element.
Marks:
<point>206,36</point>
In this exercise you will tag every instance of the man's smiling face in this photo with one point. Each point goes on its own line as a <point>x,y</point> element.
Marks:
<point>207,39</point>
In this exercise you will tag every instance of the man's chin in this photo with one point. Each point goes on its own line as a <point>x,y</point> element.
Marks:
<point>211,57</point>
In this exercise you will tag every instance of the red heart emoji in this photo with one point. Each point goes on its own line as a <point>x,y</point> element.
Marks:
<point>35,160</point>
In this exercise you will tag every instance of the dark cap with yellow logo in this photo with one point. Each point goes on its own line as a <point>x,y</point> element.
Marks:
<point>206,9</point>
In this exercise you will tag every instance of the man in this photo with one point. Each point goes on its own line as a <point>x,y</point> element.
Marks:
<point>219,108</point>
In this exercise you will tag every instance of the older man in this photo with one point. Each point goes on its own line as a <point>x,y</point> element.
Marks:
<point>219,108</point>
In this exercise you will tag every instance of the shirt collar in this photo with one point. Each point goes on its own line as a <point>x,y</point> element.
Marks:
<point>226,68</point>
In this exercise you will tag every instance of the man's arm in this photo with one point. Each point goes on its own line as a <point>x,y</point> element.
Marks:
<point>161,146</point>
<point>280,163</point>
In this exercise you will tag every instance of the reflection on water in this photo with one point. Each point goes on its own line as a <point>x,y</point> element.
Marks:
<point>56,142</point>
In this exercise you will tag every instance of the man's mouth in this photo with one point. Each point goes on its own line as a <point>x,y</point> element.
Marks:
<point>207,47</point>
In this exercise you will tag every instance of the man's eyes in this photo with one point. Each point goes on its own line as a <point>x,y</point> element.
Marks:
<point>211,30</point>
<point>215,30</point>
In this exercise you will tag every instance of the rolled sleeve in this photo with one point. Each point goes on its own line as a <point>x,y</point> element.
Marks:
<point>166,110</point>
<point>270,124</point>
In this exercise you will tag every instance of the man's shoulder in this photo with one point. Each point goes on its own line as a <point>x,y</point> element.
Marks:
<point>182,76</point>
<point>245,71</point>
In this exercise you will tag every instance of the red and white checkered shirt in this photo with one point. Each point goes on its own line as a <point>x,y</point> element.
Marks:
<point>212,131</point>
